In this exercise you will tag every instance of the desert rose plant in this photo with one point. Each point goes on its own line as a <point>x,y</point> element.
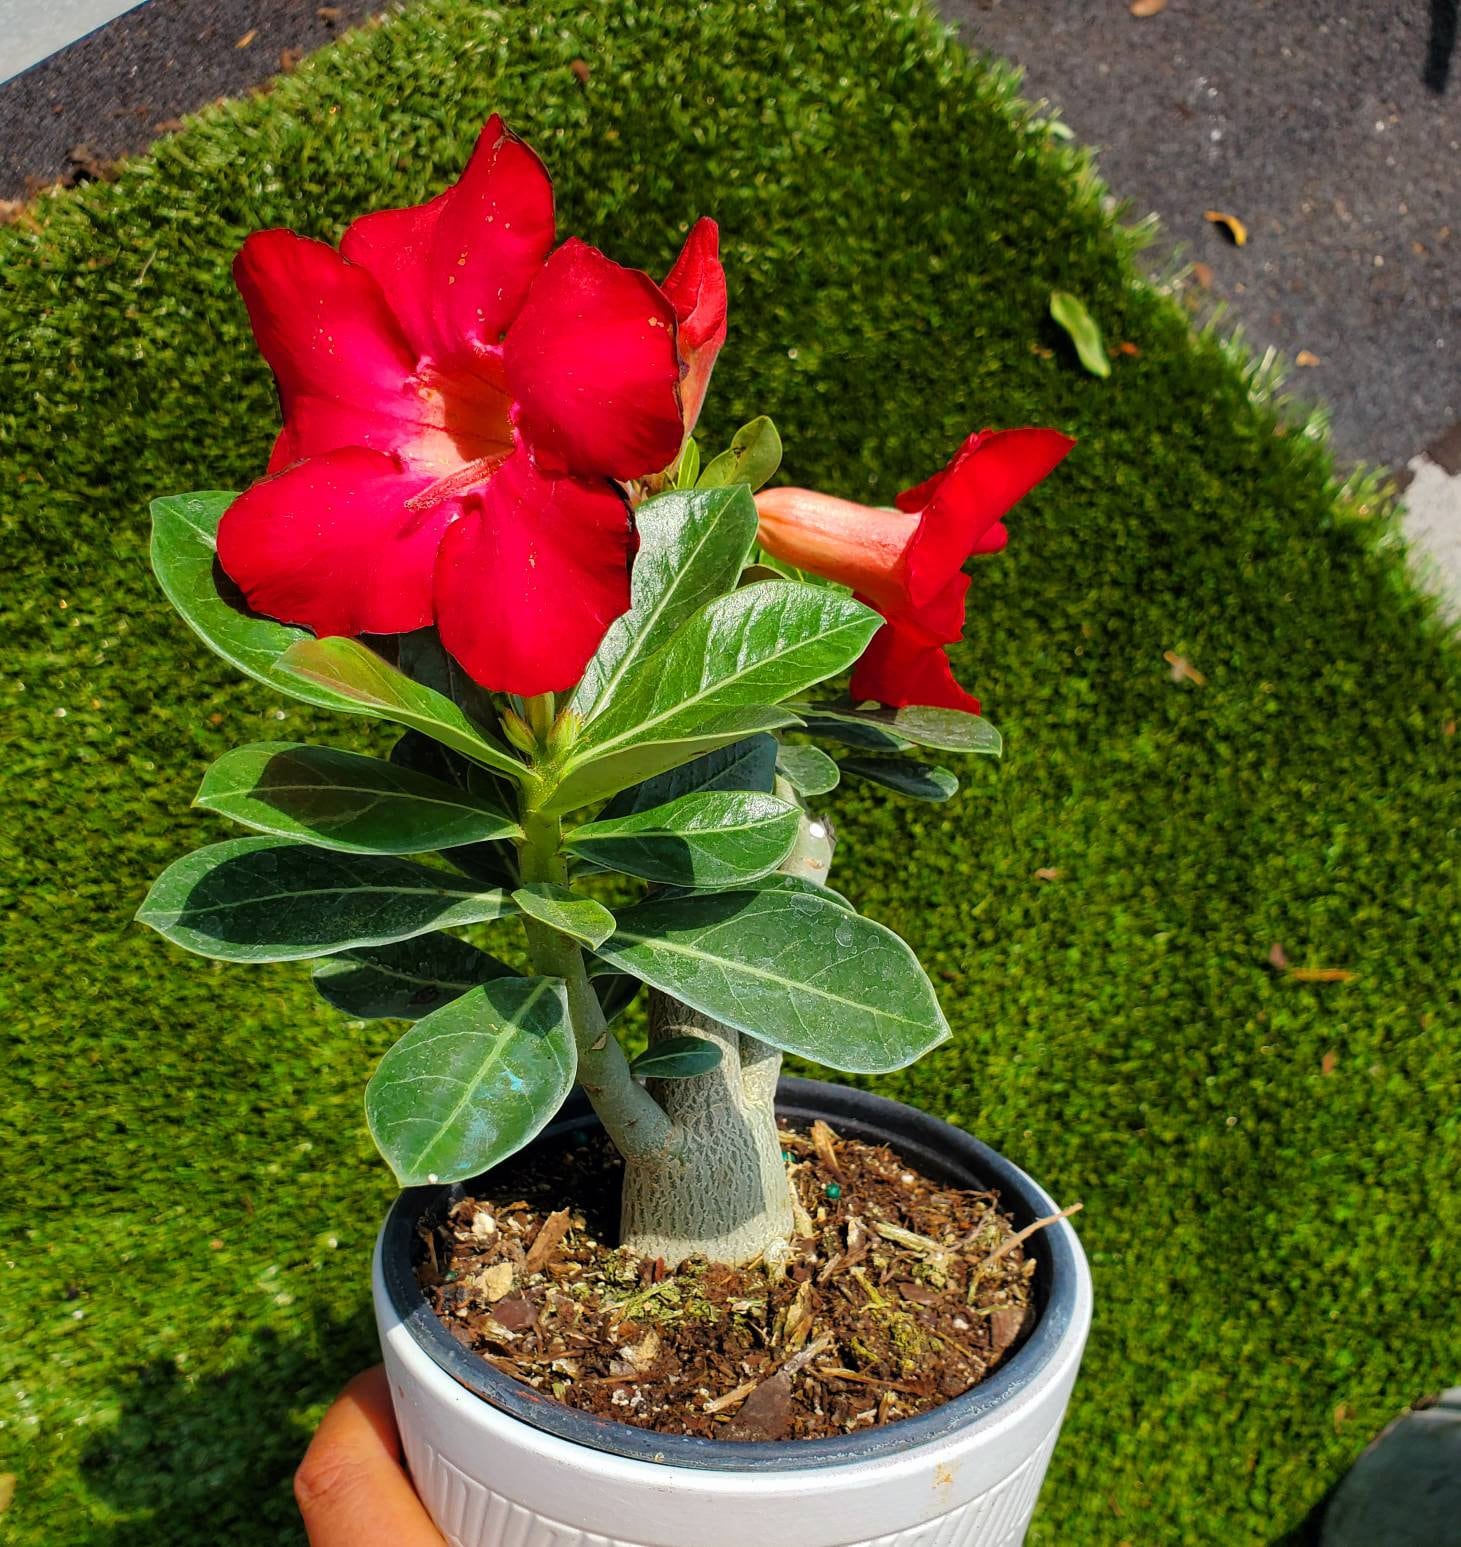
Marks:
<point>485,521</point>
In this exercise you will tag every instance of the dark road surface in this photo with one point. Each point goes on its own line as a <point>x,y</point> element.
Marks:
<point>1333,130</point>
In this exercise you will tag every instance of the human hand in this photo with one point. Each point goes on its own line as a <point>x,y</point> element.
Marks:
<point>351,1487</point>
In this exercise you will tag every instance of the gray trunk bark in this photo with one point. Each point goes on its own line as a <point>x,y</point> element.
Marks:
<point>724,1192</point>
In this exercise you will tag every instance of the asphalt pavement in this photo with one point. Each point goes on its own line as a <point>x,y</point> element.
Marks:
<point>1332,130</point>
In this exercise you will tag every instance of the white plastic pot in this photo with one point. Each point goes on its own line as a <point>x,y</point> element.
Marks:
<point>500,1466</point>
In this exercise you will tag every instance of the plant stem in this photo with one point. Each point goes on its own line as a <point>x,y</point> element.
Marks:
<point>637,1124</point>
<point>725,1195</point>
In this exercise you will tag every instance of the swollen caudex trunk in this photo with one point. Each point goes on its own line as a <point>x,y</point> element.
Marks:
<point>724,1194</point>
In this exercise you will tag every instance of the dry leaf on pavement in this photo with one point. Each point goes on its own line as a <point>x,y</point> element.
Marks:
<point>1237,231</point>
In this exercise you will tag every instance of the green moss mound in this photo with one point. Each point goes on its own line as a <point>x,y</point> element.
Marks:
<point>1267,1165</point>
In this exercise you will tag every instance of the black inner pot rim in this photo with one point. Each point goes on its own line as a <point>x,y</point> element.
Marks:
<point>940,1150</point>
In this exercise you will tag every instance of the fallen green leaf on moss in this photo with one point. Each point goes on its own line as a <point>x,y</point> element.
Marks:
<point>1072,315</point>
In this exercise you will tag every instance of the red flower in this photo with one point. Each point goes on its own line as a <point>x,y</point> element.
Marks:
<point>460,406</point>
<point>908,563</point>
<point>696,288</point>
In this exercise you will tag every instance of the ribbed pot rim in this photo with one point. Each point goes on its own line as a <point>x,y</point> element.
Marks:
<point>937,1148</point>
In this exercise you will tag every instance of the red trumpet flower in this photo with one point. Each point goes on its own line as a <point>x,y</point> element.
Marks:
<point>908,563</point>
<point>461,405</point>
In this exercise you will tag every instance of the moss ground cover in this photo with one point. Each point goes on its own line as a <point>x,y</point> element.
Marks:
<point>1267,1165</point>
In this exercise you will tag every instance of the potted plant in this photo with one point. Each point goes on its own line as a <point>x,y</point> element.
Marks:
<point>486,523</point>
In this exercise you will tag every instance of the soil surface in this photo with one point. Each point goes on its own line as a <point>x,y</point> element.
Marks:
<point>900,1293</point>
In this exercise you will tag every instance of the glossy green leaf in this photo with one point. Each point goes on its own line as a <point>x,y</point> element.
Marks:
<point>717,838</point>
<point>616,992</point>
<point>944,730</point>
<point>185,561</point>
<point>632,765</point>
<point>768,566</point>
<point>687,470</point>
<point>692,546</point>
<point>341,800</point>
<point>919,781</point>
<point>494,862</point>
<point>567,911</point>
<point>267,899</point>
<point>751,648</point>
<point>792,969</point>
<point>372,686</point>
<point>853,731</point>
<point>677,1058</point>
<point>424,659</point>
<point>1070,312</point>
<point>754,456</point>
<point>808,770</point>
<point>743,765</point>
<point>404,980</point>
<point>787,884</point>
<point>947,730</point>
<point>473,1082</point>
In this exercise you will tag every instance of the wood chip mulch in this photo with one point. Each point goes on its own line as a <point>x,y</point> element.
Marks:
<point>900,1294</point>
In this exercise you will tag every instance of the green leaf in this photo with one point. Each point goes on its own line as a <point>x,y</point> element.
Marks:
<point>768,566</point>
<point>636,765</point>
<point>494,862</point>
<point>785,884</point>
<point>920,781</point>
<point>370,686</point>
<point>616,992</point>
<point>422,657</point>
<point>808,770</point>
<point>717,838</point>
<point>1072,315</point>
<point>945,730</point>
<point>754,456</point>
<point>405,980</point>
<point>687,470</point>
<point>792,969</point>
<point>473,1082</point>
<point>341,800</point>
<point>677,1058</point>
<point>692,546</point>
<point>567,911</point>
<point>852,731</point>
<point>185,561</point>
<point>751,648</point>
<point>743,765</point>
<point>265,899</point>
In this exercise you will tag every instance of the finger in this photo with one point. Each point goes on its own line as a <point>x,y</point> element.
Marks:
<point>351,1488</point>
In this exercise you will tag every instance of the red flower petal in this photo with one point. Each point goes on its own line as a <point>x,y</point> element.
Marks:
<point>898,667</point>
<point>457,268</point>
<point>333,544</point>
<point>593,368</point>
<point>343,365</point>
<point>394,247</point>
<point>531,576</point>
<point>696,289</point>
<point>963,506</point>
<point>855,545</point>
